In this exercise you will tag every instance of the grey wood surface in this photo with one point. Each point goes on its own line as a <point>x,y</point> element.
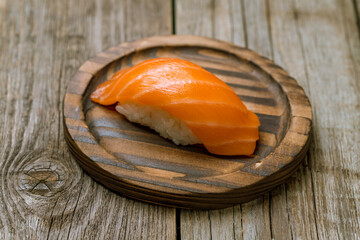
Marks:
<point>318,43</point>
<point>44,193</point>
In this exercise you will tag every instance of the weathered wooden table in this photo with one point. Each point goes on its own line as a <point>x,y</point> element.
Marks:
<point>45,194</point>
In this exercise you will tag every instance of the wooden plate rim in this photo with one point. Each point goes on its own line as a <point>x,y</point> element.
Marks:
<point>300,111</point>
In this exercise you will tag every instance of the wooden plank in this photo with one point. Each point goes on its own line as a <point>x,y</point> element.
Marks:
<point>289,37</point>
<point>44,193</point>
<point>329,39</point>
<point>319,50</point>
<point>215,224</point>
<point>211,18</point>
<point>250,220</point>
<point>199,18</point>
<point>291,204</point>
<point>257,27</point>
<point>308,51</point>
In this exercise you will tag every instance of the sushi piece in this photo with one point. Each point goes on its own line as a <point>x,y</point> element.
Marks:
<point>182,102</point>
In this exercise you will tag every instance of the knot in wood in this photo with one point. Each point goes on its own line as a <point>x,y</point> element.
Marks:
<point>44,177</point>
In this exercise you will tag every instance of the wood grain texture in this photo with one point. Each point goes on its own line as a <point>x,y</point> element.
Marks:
<point>252,219</point>
<point>298,208</point>
<point>44,194</point>
<point>334,166</point>
<point>43,42</point>
<point>140,164</point>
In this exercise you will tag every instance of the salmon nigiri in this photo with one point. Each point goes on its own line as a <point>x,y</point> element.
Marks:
<point>182,102</point>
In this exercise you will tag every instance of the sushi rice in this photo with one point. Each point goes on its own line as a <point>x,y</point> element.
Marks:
<point>157,119</point>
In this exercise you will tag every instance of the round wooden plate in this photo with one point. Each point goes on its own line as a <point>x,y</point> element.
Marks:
<point>135,161</point>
